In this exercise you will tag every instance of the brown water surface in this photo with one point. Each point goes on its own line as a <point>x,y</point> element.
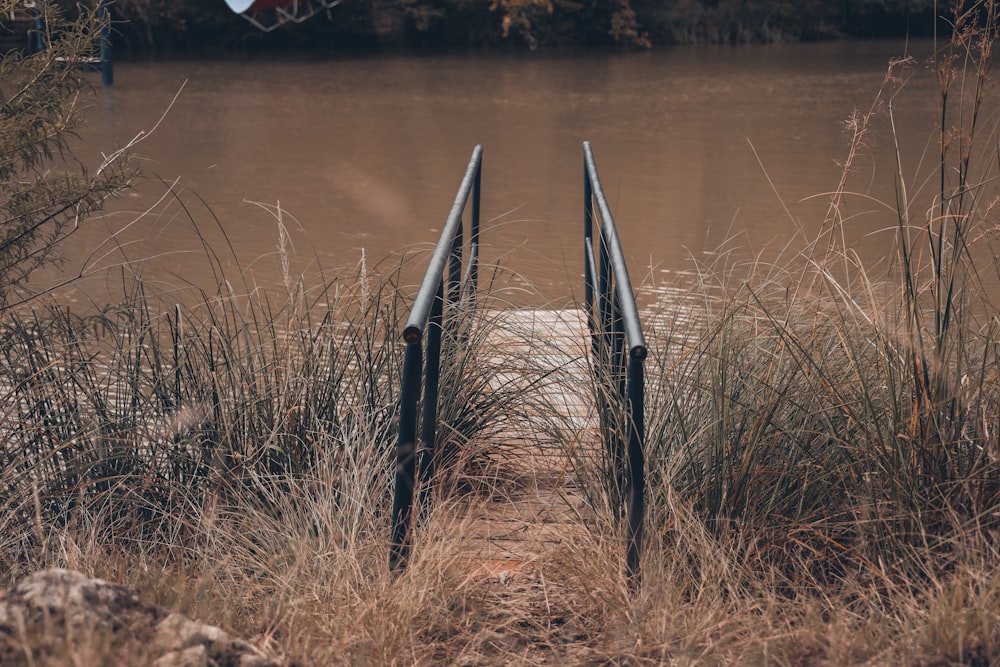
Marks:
<point>694,146</point>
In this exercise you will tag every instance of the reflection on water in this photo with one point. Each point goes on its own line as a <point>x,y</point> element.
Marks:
<point>695,147</point>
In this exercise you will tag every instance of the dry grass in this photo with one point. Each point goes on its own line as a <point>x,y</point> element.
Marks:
<point>824,461</point>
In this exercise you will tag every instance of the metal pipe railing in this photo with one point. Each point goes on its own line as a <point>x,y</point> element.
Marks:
<point>621,386</point>
<point>444,282</point>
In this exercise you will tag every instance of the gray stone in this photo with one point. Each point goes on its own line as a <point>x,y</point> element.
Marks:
<point>193,656</point>
<point>57,616</point>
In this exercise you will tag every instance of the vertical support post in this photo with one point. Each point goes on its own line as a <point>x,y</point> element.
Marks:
<point>618,346</point>
<point>606,314</point>
<point>604,288</point>
<point>107,57</point>
<point>178,342</point>
<point>455,289</point>
<point>455,268</point>
<point>611,371</point>
<point>590,272</point>
<point>428,419</point>
<point>619,351</point>
<point>636,463</point>
<point>588,249</point>
<point>588,260</point>
<point>406,446</point>
<point>427,316</point>
<point>618,390</point>
<point>474,235</point>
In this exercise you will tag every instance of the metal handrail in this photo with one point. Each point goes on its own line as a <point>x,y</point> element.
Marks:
<point>426,317</point>
<point>616,322</point>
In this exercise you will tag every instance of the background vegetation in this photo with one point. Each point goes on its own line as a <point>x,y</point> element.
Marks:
<point>198,24</point>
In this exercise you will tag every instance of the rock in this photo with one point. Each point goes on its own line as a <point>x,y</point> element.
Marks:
<point>193,656</point>
<point>60,617</point>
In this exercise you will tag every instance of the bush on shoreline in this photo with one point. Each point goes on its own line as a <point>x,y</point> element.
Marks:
<point>46,194</point>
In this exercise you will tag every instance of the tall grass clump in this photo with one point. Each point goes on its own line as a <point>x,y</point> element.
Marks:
<point>232,454</point>
<point>822,447</point>
<point>138,415</point>
<point>827,423</point>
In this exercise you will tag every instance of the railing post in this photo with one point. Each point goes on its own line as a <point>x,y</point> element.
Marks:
<point>621,389</point>
<point>474,234</point>
<point>406,446</point>
<point>428,418</point>
<point>610,368</point>
<point>619,369</point>
<point>427,316</point>
<point>588,258</point>
<point>636,463</point>
<point>455,268</point>
<point>604,291</point>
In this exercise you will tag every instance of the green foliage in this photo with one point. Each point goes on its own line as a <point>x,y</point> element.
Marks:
<point>45,193</point>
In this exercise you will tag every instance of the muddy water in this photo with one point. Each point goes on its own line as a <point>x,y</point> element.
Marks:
<point>695,146</point>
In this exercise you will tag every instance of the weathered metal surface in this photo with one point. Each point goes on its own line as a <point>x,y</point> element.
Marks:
<point>441,284</point>
<point>619,377</point>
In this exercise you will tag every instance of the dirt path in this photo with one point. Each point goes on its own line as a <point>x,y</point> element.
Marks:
<point>517,528</point>
<point>536,503</point>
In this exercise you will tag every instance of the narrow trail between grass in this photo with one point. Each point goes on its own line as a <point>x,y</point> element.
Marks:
<point>535,504</point>
<point>519,519</point>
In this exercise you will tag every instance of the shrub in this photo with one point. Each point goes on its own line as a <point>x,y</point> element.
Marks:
<point>46,193</point>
